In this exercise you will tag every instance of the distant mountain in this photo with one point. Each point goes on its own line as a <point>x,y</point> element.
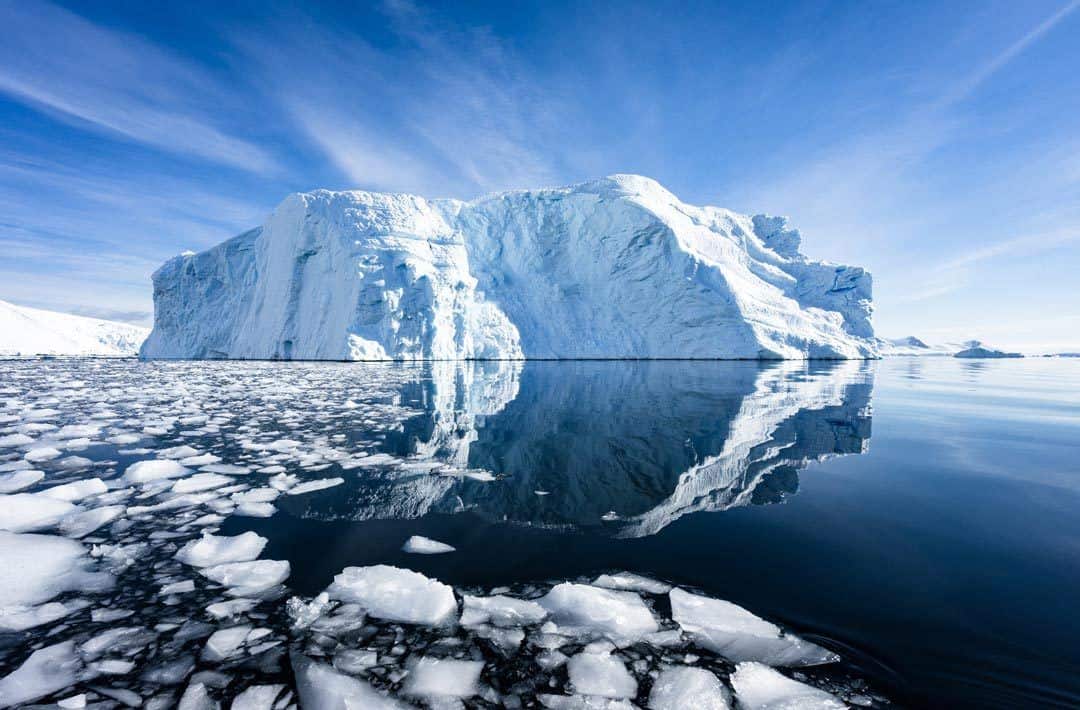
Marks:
<point>977,350</point>
<point>913,347</point>
<point>31,331</point>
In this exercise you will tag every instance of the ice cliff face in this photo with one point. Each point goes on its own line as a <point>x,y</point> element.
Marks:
<point>618,267</point>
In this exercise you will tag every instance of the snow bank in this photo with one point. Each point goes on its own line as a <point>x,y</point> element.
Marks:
<point>617,267</point>
<point>32,331</point>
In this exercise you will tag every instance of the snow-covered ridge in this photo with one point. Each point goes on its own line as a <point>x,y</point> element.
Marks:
<point>25,332</point>
<point>613,268</point>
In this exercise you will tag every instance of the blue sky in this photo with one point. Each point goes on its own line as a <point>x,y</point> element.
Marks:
<point>937,144</point>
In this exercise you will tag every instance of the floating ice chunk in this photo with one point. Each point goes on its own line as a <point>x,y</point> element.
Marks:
<point>758,687</point>
<point>154,470</point>
<point>210,550</point>
<point>41,453</point>
<point>201,482</point>
<point>316,485</point>
<point>627,581</point>
<point>255,510</point>
<point>233,607</point>
<point>443,677</point>
<point>226,468</point>
<point>179,452</point>
<point>76,490</point>
<point>681,687</point>
<point>256,495</point>
<point>82,523</point>
<point>355,660</point>
<point>196,697</point>
<point>121,695</point>
<point>178,587</point>
<point>200,460</point>
<point>580,608</point>
<point>72,703</point>
<point>18,480</point>
<point>600,674</point>
<point>426,546</point>
<point>579,702</point>
<point>284,481</point>
<point>248,579</point>
<point>257,697</point>
<point>27,512</point>
<point>77,431</point>
<point>304,614</point>
<point>124,439</point>
<point>48,670</point>
<point>13,440</point>
<point>225,643</point>
<point>501,611</point>
<point>395,594</point>
<point>738,635</point>
<point>123,639</point>
<point>322,688</point>
<point>23,618</point>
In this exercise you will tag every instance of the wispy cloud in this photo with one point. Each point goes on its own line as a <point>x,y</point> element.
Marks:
<point>450,111</point>
<point>116,83</point>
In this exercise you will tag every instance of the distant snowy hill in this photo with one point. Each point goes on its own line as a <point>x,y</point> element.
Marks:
<point>976,350</point>
<point>613,268</point>
<point>32,331</point>
<point>914,347</point>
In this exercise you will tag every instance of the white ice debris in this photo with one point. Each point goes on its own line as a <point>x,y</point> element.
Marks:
<point>630,582</point>
<point>248,579</point>
<point>501,611</point>
<point>201,482</point>
<point>154,470</point>
<point>589,270</point>
<point>18,480</point>
<point>257,697</point>
<point>317,485</point>
<point>210,550</point>
<point>758,687</point>
<point>683,687</point>
<point>443,677</point>
<point>322,688</point>
<point>27,512</point>
<point>32,331</point>
<point>76,490</point>
<point>584,609</point>
<point>600,674</point>
<point>48,670</point>
<point>395,594</point>
<point>419,545</point>
<point>738,635</point>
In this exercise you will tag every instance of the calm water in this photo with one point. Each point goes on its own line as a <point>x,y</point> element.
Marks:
<point>921,517</point>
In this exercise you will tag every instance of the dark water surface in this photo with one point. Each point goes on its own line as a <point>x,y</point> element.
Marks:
<point>922,516</point>
<point>919,516</point>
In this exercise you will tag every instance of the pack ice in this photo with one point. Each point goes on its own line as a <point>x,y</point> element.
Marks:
<point>614,268</point>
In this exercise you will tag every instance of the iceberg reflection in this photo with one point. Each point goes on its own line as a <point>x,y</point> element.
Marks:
<point>622,448</point>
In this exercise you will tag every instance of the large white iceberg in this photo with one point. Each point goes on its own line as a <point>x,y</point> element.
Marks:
<point>613,268</point>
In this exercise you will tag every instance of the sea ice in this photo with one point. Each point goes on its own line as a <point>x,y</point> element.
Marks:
<point>758,687</point>
<point>501,611</point>
<point>580,608</point>
<point>48,670</point>
<point>600,674</point>
<point>322,688</point>
<point>426,546</point>
<point>395,594</point>
<point>248,579</point>
<point>18,480</point>
<point>28,512</point>
<point>628,581</point>
<point>316,485</point>
<point>684,687</point>
<point>210,550</point>
<point>738,635</point>
<point>443,677</point>
<point>257,697</point>
<point>154,470</point>
<point>76,490</point>
<point>201,482</point>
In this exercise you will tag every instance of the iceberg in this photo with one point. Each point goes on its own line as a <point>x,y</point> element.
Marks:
<point>613,268</point>
<point>974,349</point>
<point>26,332</point>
